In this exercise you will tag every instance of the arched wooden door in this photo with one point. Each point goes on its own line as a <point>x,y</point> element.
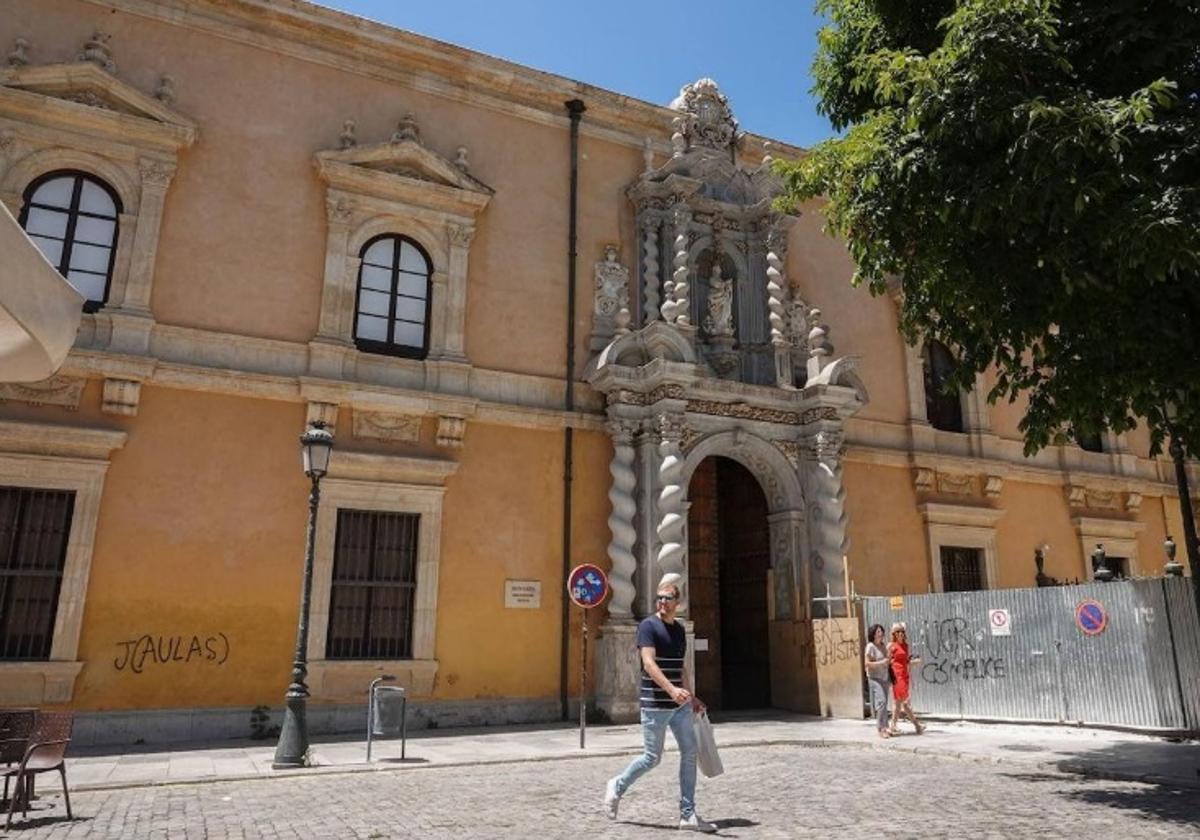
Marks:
<point>728,559</point>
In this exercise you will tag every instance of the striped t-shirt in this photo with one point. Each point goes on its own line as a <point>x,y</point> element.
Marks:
<point>670,644</point>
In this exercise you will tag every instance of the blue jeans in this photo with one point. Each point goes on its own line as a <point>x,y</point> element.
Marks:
<point>879,701</point>
<point>654,730</point>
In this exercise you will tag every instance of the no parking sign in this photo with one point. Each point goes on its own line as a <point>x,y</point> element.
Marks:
<point>1000,622</point>
<point>1091,617</point>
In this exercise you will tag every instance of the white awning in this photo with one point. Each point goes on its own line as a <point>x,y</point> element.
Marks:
<point>39,310</point>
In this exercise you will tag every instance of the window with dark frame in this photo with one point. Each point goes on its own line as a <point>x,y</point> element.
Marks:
<point>943,407</point>
<point>962,569</point>
<point>1119,566</point>
<point>374,584</point>
<point>391,312</point>
<point>34,528</point>
<point>72,218</point>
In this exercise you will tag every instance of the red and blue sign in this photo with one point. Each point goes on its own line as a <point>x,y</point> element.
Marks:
<point>587,586</point>
<point>1091,617</point>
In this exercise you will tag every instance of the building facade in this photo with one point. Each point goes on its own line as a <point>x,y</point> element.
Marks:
<point>283,214</point>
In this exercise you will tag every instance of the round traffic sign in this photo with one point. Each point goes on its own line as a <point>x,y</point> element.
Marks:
<point>1091,617</point>
<point>587,585</point>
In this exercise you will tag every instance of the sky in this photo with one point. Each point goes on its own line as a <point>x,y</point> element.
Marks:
<point>758,51</point>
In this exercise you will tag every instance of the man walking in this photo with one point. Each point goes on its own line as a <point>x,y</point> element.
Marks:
<point>665,704</point>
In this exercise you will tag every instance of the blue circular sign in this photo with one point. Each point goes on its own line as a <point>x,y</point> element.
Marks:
<point>587,585</point>
<point>1091,617</point>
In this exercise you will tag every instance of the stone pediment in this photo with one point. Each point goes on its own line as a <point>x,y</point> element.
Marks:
<point>404,170</point>
<point>83,93</point>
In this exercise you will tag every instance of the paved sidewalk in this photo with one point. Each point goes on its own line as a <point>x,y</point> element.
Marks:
<point>1097,753</point>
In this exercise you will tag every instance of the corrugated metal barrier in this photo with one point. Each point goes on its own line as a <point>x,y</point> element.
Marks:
<point>1123,653</point>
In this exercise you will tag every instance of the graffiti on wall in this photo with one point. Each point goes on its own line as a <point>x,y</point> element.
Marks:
<point>947,653</point>
<point>147,650</point>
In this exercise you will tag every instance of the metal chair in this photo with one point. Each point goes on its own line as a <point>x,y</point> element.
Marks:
<point>16,726</point>
<point>46,752</point>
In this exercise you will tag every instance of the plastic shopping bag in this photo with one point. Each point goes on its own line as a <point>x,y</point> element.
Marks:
<point>708,759</point>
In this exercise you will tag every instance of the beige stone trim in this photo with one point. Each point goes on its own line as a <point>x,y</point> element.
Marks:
<point>37,683</point>
<point>961,526</point>
<point>78,463</point>
<point>1119,537</point>
<point>135,153</point>
<point>373,482</point>
<point>348,681</point>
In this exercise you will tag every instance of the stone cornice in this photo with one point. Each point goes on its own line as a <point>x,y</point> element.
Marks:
<point>356,45</point>
<point>35,95</point>
<point>59,441</point>
<point>465,200</point>
<point>372,467</point>
<point>964,515</point>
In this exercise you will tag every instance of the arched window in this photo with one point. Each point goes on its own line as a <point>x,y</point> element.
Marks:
<point>391,314</point>
<point>943,407</point>
<point>72,218</point>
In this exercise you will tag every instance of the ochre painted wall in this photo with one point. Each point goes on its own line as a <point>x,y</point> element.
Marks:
<point>889,552</point>
<point>201,532</point>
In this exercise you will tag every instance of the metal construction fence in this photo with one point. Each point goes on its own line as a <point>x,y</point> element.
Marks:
<point>1125,653</point>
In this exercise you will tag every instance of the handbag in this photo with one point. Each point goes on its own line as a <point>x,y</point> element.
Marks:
<point>707,757</point>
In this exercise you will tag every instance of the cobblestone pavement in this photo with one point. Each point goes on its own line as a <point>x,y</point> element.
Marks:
<point>766,792</point>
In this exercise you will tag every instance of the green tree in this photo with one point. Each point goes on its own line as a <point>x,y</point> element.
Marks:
<point>1028,171</point>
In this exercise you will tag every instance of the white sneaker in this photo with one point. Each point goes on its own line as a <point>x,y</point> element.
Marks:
<point>612,799</point>
<point>695,823</point>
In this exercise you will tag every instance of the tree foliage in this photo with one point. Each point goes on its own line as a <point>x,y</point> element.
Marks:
<point>1028,171</point>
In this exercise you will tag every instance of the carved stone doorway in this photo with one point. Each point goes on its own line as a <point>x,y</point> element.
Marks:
<point>729,552</point>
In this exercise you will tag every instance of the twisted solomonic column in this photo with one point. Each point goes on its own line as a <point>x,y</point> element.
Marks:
<point>672,552</point>
<point>777,309</point>
<point>681,309</point>
<point>830,528</point>
<point>650,269</point>
<point>621,522</point>
<point>776,294</point>
<point>680,276</point>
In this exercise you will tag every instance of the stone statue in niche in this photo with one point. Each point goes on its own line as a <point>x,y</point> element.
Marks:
<point>719,321</point>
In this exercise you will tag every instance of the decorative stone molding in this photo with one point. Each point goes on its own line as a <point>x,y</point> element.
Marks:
<point>80,116</point>
<point>19,56</point>
<point>953,484</point>
<point>451,430</point>
<point>705,119</point>
<point>993,485</point>
<point>1119,537</point>
<point>121,397</point>
<point>610,297</point>
<point>58,390</point>
<point>960,526</point>
<point>97,51</point>
<point>421,494</point>
<point>399,186</point>
<point>1133,502</point>
<point>742,411</point>
<point>376,425</point>
<point>924,480</point>
<point>58,458</point>
<point>1095,498</point>
<point>325,413</point>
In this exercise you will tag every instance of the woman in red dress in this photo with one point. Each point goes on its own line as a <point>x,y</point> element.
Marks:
<point>901,665</point>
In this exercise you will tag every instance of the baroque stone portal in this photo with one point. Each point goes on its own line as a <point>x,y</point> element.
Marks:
<point>722,358</point>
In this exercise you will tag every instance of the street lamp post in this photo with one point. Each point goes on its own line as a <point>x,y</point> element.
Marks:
<point>292,750</point>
